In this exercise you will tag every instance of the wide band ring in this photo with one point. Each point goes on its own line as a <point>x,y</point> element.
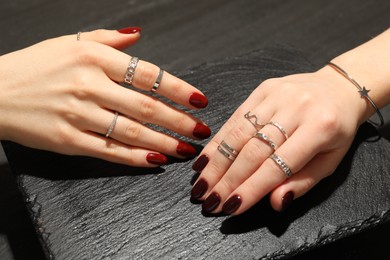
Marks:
<point>254,121</point>
<point>129,75</point>
<point>263,137</point>
<point>282,164</point>
<point>281,129</point>
<point>158,80</point>
<point>227,151</point>
<point>112,125</point>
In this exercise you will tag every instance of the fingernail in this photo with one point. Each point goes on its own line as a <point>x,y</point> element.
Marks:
<point>156,158</point>
<point>198,100</point>
<point>199,189</point>
<point>185,149</point>
<point>232,204</point>
<point>287,200</point>
<point>130,30</point>
<point>211,202</point>
<point>200,163</point>
<point>201,131</point>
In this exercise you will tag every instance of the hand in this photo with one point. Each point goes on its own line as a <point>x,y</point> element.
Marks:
<point>62,94</point>
<point>319,113</point>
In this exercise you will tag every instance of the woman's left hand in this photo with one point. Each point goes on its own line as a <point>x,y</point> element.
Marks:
<point>315,118</point>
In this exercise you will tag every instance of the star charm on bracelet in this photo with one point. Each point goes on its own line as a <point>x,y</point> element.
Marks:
<point>364,92</point>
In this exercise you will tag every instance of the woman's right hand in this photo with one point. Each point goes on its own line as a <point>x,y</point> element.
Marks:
<point>62,94</point>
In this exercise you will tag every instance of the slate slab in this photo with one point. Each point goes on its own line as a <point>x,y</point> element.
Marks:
<point>85,208</point>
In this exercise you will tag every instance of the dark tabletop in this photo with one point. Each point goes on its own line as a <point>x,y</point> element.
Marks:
<point>86,208</point>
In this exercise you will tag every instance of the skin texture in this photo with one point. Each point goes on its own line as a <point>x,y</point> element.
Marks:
<point>320,111</point>
<point>61,95</point>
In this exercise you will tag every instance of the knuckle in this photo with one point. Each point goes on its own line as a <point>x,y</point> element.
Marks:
<point>148,107</point>
<point>86,55</point>
<point>132,131</point>
<point>238,134</point>
<point>145,75</point>
<point>254,152</point>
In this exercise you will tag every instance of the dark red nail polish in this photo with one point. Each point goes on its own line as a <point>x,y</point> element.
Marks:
<point>201,131</point>
<point>130,30</point>
<point>199,189</point>
<point>185,149</point>
<point>287,200</point>
<point>211,202</point>
<point>198,100</point>
<point>156,158</point>
<point>200,163</point>
<point>232,204</point>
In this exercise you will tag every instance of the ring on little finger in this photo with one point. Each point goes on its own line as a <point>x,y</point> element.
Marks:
<point>282,164</point>
<point>130,71</point>
<point>112,125</point>
<point>227,151</point>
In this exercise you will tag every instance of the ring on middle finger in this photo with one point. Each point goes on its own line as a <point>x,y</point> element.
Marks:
<point>264,138</point>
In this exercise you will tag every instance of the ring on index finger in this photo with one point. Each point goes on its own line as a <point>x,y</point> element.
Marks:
<point>129,75</point>
<point>254,121</point>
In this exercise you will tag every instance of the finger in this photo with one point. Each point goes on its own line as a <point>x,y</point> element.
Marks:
<point>94,145</point>
<point>296,152</point>
<point>135,134</point>
<point>317,169</point>
<point>149,109</point>
<point>251,157</point>
<point>232,122</point>
<point>171,87</point>
<point>118,39</point>
<point>115,64</point>
<point>219,160</point>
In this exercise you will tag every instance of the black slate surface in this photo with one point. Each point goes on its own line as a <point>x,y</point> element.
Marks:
<point>90,209</point>
<point>182,34</point>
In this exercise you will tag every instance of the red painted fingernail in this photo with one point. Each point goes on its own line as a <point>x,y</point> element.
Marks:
<point>198,100</point>
<point>199,189</point>
<point>232,204</point>
<point>156,158</point>
<point>185,149</point>
<point>130,30</point>
<point>287,200</point>
<point>200,163</point>
<point>211,202</point>
<point>201,131</point>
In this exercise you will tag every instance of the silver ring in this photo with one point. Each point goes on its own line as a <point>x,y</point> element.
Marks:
<point>78,36</point>
<point>129,75</point>
<point>112,125</point>
<point>254,122</point>
<point>229,148</point>
<point>263,137</point>
<point>227,151</point>
<point>281,129</point>
<point>282,164</point>
<point>158,80</point>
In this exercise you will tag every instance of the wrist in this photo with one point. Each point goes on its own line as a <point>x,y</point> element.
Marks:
<point>369,66</point>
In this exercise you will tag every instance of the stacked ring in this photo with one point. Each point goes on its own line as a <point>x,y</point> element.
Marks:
<point>263,137</point>
<point>129,76</point>
<point>282,164</point>
<point>158,80</point>
<point>112,125</point>
<point>227,151</point>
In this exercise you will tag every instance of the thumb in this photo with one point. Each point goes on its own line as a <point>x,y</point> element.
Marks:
<point>118,39</point>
